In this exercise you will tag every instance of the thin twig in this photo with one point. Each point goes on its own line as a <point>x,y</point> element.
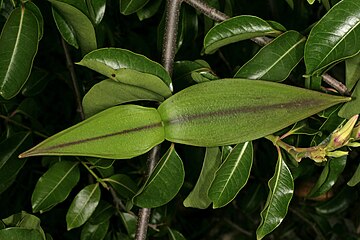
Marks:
<point>75,84</point>
<point>9,120</point>
<point>207,10</point>
<point>339,86</point>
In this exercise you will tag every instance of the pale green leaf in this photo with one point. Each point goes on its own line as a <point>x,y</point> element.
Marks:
<point>131,6</point>
<point>236,29</point>
<point>18,46</point>
<point>75,25</point>
<point>334,37</point>
<point>281,188</point>
<point>83,206</point>
<point>109,93</point>
<point>232,175</point>
<point>120,132</point>
<point>55,185</point>
<point>229,111</point>
<point>164,183</point>
<point>275,61</point>
<point>352,71</point>
<point>198,197</point>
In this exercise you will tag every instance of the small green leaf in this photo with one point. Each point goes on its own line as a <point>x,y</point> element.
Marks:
<point>131,6</point>
<point>109,93</point>
<point>83,206</point>
<point>18,46</point>
<point>10,165</point>
<point>16,233</point>
<point>275,61</point>
<point>120,132</point>
<point>334,37</point>
<point>103,212</point>
<point>109,62</point>
<point>232,175</point>
<point>225,112</point>
<point>281,187</point>
<point>198,197</point>
<point>149,9</point>
<point>162,186</point>
<point>74,26</point>
<point>94,231</point>
<point>355,179</point>
<point>96,10</point>
<point>175,235</point>
<point>236,29</point>
<point>351,108</point>
<point>55,185</point>
<point>331,172</point>
<point>123,185</point>
<point>352,71</point>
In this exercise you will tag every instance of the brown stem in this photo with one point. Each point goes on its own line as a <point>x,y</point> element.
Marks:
<point>340,87</point>
<point>207,10</point>
<point>9,120</point>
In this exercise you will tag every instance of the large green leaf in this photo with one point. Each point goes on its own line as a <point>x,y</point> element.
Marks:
<point>24,220</point>
<point>330,174</point>
<point>232,175</point>
<point>334,37</point>
<point>94,231</point>
<point>352,71</point>
<point>275,61</point>
<point>113,62</point>
<point>236,29</point>
<point>120,132</point>
<point>164,183</point>
<point>131,6</point>
<point>198,197</point>
<point>37,13</point>
<point>351,108</point>
<point>83,205</point>
<point>74,26</point>
<point>230,111</point>
<point>18,46</point>
<point>55,185</point>
<point>281,187</point>
<point>16,233</point>
<point>10,164</point>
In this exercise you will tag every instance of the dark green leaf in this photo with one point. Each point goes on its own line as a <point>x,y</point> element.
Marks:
<point>236,29</point>
<point>36,11</point>
<point>94,231</point>
<point>352,71</point>
<point>331,172</point>
<point>149,9</point>
<point>129,221</point>
<point>75,26</point>
<point>103,212</point>
<point>337,204</point>
<point>10,164</point>
<point>230,111</point>
<point>83,206</point>
<point>334,37</point>
<point>198,197</point>
<point>232,175</point>
<point>16,233</point>
<point>162,186</point>
<point>131,6</point>
<point>120,132</point>
<point>109,93</point>
<point>351,108</point>
<point>55,185</point>
<point>281,187</point>
<point>275,61</point>
<point>175,235</point>
<point>115,61</point>
<point>18,46</point>
<point>123,185</point>
<point>36,83</point>
<point>96,10</point>
<point>355,179</point>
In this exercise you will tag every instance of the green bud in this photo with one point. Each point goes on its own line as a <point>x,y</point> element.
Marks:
<point>341,135</point>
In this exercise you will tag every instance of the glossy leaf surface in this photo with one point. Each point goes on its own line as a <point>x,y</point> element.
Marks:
<point>198,197</point>
<point>149,9</point>
<point>109,93</point>
<point>75,25</point>
<point>113,61</point>
<point>281,188</point>
<point>55,185</point>
<point>162,185</point>
<point>352,71</point>
<point>131,6</point>
<point>119,132</point>
<point>83,206</point>
<point>18,46</point>
<point>232,175</point>
<point>236,29</point>
<point>230,111</point>
<point>10,165</point>
<point>96,10</point>
<point>334,37</point>
<point>328,177</point>
<point>275,61</point>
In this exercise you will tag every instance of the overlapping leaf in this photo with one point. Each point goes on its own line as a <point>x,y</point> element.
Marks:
<point>232,175</point>
<point>352,71</point>
<point>96,10</point>
<point>162,185</point>
<point>131,6</point>
<point>281,187</point>
<point>19,234</point>
<point>123,185</point>
<point>236,29</point>
<point>334,37</point>
<point>18,46</point>
<point>94,231</point>
<point>55,185</point>
<point>275,61</point>
<point>351,108</point>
